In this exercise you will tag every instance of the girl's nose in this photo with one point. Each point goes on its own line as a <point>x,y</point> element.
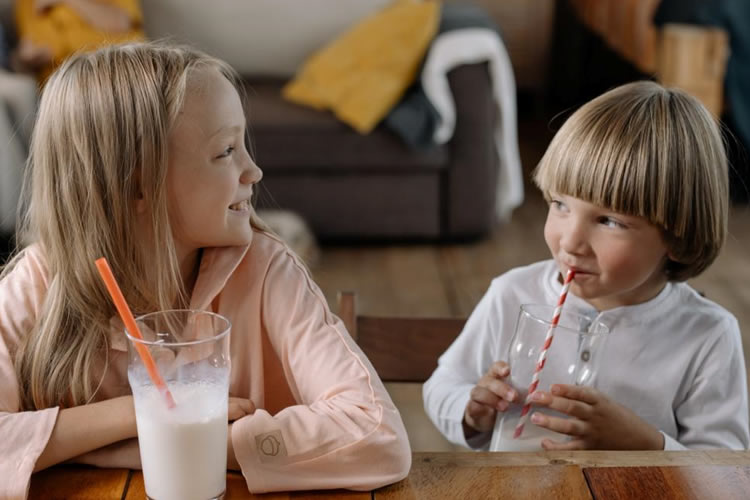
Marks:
<point>252,174</point>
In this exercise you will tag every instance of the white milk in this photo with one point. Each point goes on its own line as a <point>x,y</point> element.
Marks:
<point>530,439</point>
<point>183,450</point>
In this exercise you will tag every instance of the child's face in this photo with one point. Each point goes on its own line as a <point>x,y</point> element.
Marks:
<point>619,259</point>
<point>211,175</point>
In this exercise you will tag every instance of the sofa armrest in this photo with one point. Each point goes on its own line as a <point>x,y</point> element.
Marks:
<point>470,182</point>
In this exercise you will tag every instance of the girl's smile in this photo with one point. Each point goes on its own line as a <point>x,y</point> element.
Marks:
<point>241,207</point>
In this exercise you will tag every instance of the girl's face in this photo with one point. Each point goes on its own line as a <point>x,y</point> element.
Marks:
<point>210,175</point>
<point>618,259</point>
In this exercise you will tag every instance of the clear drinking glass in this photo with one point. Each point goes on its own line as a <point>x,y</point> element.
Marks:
<point>572,358</point>
<point>183,449</point>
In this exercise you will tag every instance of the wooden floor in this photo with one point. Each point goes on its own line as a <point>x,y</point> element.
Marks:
<point>449,280</point>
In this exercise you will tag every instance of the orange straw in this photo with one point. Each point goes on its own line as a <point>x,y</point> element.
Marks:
<point>132,326</point>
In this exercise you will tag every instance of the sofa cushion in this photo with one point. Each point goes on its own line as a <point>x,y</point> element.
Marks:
<point>289,137</point>
<point>362,74</point>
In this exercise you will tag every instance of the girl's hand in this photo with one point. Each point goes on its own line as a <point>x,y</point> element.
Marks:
<point>239,407</point>
<point>490,395</point>
<point>596,423</point>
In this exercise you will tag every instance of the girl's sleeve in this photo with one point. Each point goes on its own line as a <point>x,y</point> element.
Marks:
<point>714,410</point>
<point>24,434</point>
<point>345,431</point>
<point>447,391</point>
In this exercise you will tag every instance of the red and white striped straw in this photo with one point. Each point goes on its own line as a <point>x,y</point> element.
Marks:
<point>543,353</point>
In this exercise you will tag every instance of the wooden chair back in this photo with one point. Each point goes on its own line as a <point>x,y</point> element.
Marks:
<point>402,349</point>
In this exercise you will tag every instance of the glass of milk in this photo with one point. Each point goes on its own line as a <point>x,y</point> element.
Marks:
<point>183,449</point>
<point>572,358</point>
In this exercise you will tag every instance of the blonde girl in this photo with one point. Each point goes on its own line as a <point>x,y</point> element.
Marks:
<point>139,154</point>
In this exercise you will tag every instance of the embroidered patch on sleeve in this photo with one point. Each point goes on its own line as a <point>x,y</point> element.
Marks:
<point>270,446</point>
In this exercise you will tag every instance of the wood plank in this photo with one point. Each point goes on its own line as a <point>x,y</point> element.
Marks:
<point>78,483</point>
<point>237,490</point>
<point>430,481</point>
<point>587,458</point>
<point>698,482</point>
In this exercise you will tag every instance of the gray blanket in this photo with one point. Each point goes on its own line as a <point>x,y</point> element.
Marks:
<point>414,119</point>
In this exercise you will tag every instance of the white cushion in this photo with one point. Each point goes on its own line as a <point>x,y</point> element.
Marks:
<point>257,37</point>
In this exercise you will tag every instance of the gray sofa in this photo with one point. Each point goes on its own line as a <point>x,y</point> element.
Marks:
<point>350,186</point>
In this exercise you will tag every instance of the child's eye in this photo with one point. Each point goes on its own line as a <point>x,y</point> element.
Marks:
<point>558,205</point>
<point>610,222</point>
<point>227,152</point>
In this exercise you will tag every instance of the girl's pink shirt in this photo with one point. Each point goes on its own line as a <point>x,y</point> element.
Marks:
<point>324,419</point>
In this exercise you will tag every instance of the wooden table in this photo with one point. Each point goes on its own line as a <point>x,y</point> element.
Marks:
<point>581,475</point>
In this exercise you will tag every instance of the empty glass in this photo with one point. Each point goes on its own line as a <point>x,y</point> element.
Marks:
<point>572,358</point>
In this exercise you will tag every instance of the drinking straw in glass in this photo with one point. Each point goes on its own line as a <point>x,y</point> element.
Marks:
<point>543,354</point>
<point>127,317</point>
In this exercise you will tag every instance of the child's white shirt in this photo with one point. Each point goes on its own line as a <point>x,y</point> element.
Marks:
<point>676,360</point>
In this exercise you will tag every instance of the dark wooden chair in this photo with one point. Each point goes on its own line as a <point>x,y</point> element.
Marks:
<point>402,349</point>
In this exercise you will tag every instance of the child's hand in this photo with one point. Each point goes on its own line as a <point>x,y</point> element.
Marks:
<point>597,422</point>
<point>490,395</point>
<point>239,407</point>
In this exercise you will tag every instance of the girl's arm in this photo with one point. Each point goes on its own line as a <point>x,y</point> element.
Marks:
<point>120,455</point>
<point>344,431</point>
<point>81,429</point>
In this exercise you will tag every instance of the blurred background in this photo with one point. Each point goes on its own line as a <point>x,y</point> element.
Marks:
<point>397,138</point>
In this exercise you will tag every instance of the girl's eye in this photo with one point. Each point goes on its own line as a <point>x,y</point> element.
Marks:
<point>227,152</point>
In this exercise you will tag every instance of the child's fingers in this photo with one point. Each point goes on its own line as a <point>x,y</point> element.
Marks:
<point>479,411</point>
<point>500,369</point>
<point>479,416</point>
<point>588,395</point>
<point>500,389</point>
<point>568,426</point>
<point>571,407</point>
<point>484,396</point>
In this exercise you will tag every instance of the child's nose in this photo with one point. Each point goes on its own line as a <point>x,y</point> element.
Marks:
<point>252,174</point>
<point>574,239</point>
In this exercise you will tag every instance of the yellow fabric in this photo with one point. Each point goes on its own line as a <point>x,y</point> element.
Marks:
<point>362,75</point>
<point>64,31</point>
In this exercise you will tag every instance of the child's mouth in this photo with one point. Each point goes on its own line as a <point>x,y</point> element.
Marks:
<point>241,206</point>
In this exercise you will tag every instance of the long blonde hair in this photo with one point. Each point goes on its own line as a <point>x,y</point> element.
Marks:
<point>646,150</point>
<point>99,143</point>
